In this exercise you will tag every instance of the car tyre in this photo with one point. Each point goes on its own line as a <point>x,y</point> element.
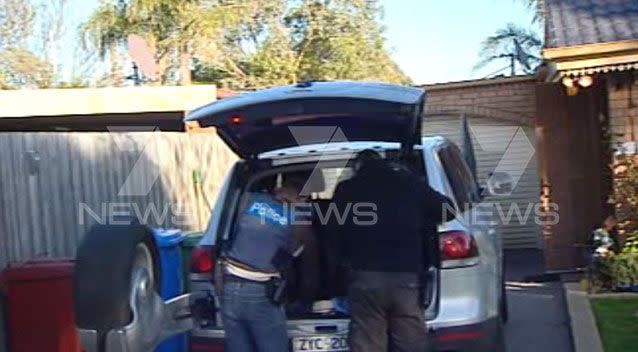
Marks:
<point>503,307</point>
<point>504,310</point>
<point>102,282</point>
<point>500,340</point>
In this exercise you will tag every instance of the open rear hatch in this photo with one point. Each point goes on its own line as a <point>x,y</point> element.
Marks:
<point>308,113</point>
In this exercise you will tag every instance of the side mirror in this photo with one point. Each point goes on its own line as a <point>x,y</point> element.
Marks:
<point>500,184</point>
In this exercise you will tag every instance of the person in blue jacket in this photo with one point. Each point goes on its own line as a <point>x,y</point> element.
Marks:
<point>268,236</point>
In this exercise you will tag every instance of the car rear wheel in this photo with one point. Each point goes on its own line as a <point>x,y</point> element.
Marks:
<point>107,259</point>
<point>500,340</point>
<point>503,308</point>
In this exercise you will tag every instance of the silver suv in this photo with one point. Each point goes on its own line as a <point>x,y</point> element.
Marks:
<point>319,126</point>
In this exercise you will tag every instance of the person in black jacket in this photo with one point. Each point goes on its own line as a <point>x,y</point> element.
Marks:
<point>387,253</point>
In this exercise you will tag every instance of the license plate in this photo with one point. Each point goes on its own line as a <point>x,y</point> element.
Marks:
<point>323,343</point>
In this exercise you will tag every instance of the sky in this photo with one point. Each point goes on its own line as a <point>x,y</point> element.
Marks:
<point>433,41</point>
<point>437,41</point>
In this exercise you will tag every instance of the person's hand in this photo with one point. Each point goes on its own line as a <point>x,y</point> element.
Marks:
<point>602,251</point>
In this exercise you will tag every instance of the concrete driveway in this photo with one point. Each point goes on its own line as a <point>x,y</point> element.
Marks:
<point>538,319</point>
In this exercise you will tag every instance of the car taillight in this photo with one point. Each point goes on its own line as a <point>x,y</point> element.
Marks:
<point>202,260</point>
<point>458,248</point>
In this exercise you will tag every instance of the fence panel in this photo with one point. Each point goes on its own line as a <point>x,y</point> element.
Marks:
<point>54,186</point>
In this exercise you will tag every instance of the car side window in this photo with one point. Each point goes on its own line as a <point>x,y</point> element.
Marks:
<point>461,179</point>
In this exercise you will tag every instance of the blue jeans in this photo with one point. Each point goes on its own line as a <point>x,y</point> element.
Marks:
<point>251,321</point>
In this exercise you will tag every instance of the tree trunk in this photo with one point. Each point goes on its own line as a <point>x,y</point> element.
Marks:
<point>116,74</point>
<point>184,66</point>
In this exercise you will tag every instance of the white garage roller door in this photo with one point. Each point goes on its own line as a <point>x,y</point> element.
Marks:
<point>503,146</point>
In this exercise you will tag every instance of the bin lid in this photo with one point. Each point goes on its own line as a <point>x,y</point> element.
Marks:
<point>192,239</point>
<point>38,269</point>
<point>168,237</point>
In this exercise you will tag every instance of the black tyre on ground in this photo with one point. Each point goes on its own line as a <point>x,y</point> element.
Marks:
<point>503,308</point>
<point>500,342</point>
<point>105,262</point>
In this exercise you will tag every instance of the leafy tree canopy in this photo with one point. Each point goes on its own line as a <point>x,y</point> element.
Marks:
<point>251,43</point>
<point>20,68</point>
<point>16,23</point>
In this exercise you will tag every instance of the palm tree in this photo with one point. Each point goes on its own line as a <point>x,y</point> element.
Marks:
<point>104,31</point>
<point>514,44</point>
<point>174,29</point>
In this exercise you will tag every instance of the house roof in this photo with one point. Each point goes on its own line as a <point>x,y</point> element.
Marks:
<point>580,22</point>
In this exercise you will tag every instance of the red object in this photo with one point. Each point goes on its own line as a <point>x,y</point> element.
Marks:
<point>236,120</point>
<point>457,245</point>
<point>202,260</point>
<point>39,306</point>
<point>196,347</point>
<point>456,336</point>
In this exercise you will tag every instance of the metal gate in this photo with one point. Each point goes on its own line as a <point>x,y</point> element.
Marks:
<point>520,230</point>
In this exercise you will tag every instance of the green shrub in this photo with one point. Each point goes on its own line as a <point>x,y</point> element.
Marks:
<point>602,275</point>
<point>620,270</point>
<point>624,269</point>
<point>631,243</point>
<point>615,271</point>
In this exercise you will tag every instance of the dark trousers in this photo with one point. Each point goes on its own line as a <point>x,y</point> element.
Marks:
<point>386,313</point>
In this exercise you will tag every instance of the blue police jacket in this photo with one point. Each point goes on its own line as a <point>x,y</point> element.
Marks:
<point>262,232</point>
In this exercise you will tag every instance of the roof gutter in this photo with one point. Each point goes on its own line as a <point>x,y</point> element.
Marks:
<point>476,83</point>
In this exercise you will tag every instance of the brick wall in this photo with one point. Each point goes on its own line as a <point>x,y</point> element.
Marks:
<point>623,123</point>
<point>623,112</point>
<point>508,98</point>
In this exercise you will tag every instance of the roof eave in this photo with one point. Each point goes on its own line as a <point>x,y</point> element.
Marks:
<point>586,57</point>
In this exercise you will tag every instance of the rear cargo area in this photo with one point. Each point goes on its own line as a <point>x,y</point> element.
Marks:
<point>317,283</point>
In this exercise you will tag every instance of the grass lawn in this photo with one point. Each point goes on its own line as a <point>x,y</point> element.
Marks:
<point>617,320</point>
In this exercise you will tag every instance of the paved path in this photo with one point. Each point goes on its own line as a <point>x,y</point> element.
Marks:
<point>584,331</point>
<point>538,312</point>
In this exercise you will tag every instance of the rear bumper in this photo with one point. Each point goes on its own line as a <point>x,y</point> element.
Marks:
<point>480,337</point>
<point>467,320</point>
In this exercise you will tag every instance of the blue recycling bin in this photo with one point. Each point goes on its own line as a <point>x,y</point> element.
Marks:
<point>172,284</point>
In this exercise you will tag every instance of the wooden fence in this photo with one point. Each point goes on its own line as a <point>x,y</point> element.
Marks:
<point>54,186</point>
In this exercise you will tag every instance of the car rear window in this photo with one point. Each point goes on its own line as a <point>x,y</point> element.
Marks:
<point>461,180</point>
